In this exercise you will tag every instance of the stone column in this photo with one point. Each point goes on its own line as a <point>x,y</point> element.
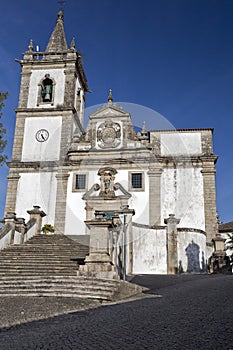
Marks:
<point>98,263</point>
<point>208,172</point>
<point>37,215</point>
<point>13,180</point>
<point>60,211</point>
<point>154,174</point>
<point>172,254</point>
<point>24,87</point>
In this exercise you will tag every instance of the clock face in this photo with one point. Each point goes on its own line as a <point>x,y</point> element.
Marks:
<point>42,135</point>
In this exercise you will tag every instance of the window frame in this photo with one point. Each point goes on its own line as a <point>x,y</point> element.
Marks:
<point>136,189</point>
<point>40,101</point>
<point>74,189</point>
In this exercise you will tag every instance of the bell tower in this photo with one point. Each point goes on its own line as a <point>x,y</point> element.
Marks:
<point>49,113</point>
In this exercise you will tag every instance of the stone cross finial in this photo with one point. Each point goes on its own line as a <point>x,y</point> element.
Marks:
<point>60,16</point>
<point>110,98</point>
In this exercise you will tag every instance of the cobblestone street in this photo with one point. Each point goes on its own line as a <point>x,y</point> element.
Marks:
<point>179,312</point>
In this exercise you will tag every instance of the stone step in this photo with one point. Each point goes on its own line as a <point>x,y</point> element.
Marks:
<point>47,266</point>
<point>34,265</point>
<point>77,279</point>
<point>61,294</point>
<point>81,287</point>
<point>33,248</point>
<point>39,271</point>
<point>55,286</point>
<point>37,261</point>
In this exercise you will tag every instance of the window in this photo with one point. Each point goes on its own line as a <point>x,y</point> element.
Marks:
<point>136,181</point>
<point>47,90</point>
<point>79,182</point>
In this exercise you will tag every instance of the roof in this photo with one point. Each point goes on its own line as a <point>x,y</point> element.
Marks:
<point>184,130</point>
<point>57,41</point>
<point>227,227</point>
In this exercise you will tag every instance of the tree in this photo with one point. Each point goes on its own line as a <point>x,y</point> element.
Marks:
<point>3,143</point>
<point>229,245</point>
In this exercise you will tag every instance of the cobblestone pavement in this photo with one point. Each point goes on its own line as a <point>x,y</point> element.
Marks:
<point>181,312</point>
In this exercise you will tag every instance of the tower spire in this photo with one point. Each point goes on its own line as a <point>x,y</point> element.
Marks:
<point>57,41</point>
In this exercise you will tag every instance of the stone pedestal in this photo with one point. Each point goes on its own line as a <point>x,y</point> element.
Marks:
<point>219,262</point>
<point>172,254</point>
<point>98,263</point>
<point>37,215</point>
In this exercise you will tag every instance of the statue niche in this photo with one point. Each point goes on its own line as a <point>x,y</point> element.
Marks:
<point>107,177</point>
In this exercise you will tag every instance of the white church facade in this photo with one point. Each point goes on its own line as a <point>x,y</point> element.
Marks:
<point>161,182</point>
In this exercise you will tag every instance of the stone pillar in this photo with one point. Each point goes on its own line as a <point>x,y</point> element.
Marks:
<point>24,86</point>
<point>10,219</point>
<point>172,254</point>
<point>21,227</point>
<point>60,211</point>
<point>208,172</point>
<point>13,180</point>
<point>37,214</point>
<point>154,174</point>
<point>98,263</point>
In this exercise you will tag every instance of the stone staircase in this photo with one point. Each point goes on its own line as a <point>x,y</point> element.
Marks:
<point>47,266</point>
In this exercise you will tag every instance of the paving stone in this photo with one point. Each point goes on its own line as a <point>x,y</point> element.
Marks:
<point>192,312</point>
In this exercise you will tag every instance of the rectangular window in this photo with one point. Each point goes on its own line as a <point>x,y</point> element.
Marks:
<point>79,182</point>
<point>136,181</point>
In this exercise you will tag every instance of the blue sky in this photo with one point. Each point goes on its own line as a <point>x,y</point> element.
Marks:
<point>173,56</point>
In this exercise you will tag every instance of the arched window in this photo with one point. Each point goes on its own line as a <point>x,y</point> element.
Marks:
<point>47,90</point>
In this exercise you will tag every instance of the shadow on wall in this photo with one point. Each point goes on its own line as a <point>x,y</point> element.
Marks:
<point>193,259</point>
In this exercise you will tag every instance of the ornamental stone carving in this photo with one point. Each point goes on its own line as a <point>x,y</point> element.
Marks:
<point>109,135</point>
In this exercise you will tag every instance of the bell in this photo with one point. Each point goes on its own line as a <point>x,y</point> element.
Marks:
<point>47,97</point>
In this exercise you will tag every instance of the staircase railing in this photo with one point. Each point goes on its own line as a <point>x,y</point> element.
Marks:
<point>16,231</point>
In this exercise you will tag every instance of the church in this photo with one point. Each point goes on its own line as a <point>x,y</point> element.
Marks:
<point>145,200</point>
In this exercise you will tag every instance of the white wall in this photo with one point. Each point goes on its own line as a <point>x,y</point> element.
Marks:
<point>37,189</point>
<point>41,151</point>
<point>59,89</point>
<point>149,251</point>
<point>182,194</point>
<point>75,211</point>
<point>140,199</point>
<point>180,144</point>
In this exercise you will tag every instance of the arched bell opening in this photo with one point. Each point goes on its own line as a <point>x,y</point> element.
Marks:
<point>46,91</point>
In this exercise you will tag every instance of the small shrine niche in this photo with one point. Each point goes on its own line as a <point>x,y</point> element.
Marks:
<point>107,178</point>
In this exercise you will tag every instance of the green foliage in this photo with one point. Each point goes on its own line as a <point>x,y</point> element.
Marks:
<point>229,245</point>
<point>47,228</point>
<point>3,143</point>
